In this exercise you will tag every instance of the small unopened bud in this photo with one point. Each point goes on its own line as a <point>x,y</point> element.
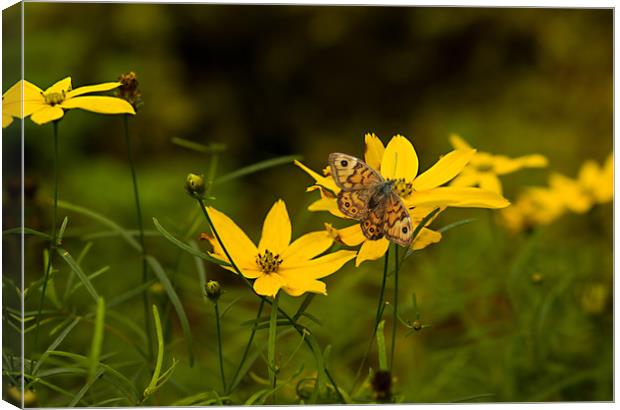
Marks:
<point>417,325</point>
<point>195,185</point>
<point>536,277</point>
<point>213,290</point>
<point>128,89</point>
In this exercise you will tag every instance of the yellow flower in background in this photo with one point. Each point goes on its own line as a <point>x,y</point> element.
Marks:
<point>421,194</point>
<point>277,263</point>
<point>484,168</point>
<point>50,105</point>
<point>543,205</point>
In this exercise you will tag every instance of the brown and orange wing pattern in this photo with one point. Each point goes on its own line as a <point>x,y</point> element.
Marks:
<point>373,225</point>
<point>352,173</point>
<point>397,225</point>
<point>354,204</point>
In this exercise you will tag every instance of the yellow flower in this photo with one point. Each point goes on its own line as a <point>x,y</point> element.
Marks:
<point>421,194</point>
<point>484,168</point>
<point>598,181</point>
<point>11,104</point>
<point>277,263</point>
<point>49,105</point>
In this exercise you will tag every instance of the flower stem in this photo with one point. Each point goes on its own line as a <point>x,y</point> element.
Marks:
<point>48,266</point>
<point>145,301</point>
<point>247,348</point>
<point>219,344</point>
<point>271,346</point>
<point>394,307</point>
<point>378,316</point>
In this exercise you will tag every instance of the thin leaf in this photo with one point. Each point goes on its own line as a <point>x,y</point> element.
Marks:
<point>27,231</point>
<point>55,344</point>
<point>104,221</point>
<point>78,271</point>
<point>195,146</point>
<point>95,347</point>
<point>383,363</point>
<point>62,229</point>
<point>84,389</point>
<point>150,389</point>
<point>455,224</point>
<point>187,247</point>
<point>259,166</point>
<point>202,275</point>
<point>176,303</point>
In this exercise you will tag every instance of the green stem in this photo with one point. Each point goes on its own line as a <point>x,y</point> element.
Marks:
<point>219,345</point>
<point>394,307</point>
<point>378,316</point>
<point>48,266</point>
<point>271,347</point>
<point>298,328</point>
<point>145,300</point>
<point>247,347</point>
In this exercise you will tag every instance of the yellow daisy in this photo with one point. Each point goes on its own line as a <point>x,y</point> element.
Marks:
<point>50,105</point>
<point>277,263</point>
<point>484,168</point>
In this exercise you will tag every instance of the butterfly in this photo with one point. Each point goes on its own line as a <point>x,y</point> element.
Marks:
<point>367,197</point>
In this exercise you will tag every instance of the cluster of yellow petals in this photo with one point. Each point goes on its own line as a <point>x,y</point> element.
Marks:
<point>25,99</point>
<point>277,263</point>
<point>484,168</point>
<point>543,205</point>
<point>423,194</point>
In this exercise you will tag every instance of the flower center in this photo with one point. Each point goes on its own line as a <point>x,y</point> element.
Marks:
<point>54,98</point>
<point>268,262</point>
<point>402,187</point>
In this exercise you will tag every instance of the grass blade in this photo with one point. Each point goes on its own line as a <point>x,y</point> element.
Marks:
<point>78,271</point>
<point>95,347</point>
<point>55,344</point>
<point>213,147</point>
<point>176,303</point>
<point>259,166</point>
<point>150,389</point>
<point>185,246</point>
<point>202,275</point>
<point>102,220</point>
<point>27,231</point>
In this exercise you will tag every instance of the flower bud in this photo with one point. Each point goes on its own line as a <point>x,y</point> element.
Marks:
<point>213,290</point>
<point>417,325</point>
<point>128,89</point>
<point>195,185</point>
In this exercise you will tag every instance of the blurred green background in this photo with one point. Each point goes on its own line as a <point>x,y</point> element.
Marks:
<point>269,81</point>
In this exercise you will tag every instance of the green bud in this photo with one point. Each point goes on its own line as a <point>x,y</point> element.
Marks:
<point>213,290</point>
<point>195,185</point>
<point>417,325</point>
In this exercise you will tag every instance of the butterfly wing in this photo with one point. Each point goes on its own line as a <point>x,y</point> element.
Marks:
<point>354,204</point>
<point>373,224</point>
<point>352,173</point>
<point>397,225</point>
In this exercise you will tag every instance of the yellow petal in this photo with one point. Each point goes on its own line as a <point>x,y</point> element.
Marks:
<point>47,114</point>
<point>276,234</point>
<point>31,98</point>
<point>241,249</point>
<point>468,177</point>
<point>327,182</point>
<point>459,143</point>
<point>351,235</point>
<point>503,165</point>
<point>99,104</point>
<point>425,238</point>
<point>316,268</point>
<point>306,247</point>
<point>269,284</point>
<point>570,192</point>
<point>298,288</point>
<point>371,250</point>
<point>60,86</point>
<point>92,89</point>
<point>6,120</point>
<point>448,166</point>
<point>326,203</point>
<point>458,197</point>
<point>373,151</point>
<point>490,182</point>
<point>418,213</point>
<point>399,160</point>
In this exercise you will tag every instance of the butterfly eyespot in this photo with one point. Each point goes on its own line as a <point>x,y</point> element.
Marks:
<point>366,223</point>
<point>344,162</point>
<point>405,230</point>
<point>347,204</point>
<point>371,230</point>
<point>353,210</point>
